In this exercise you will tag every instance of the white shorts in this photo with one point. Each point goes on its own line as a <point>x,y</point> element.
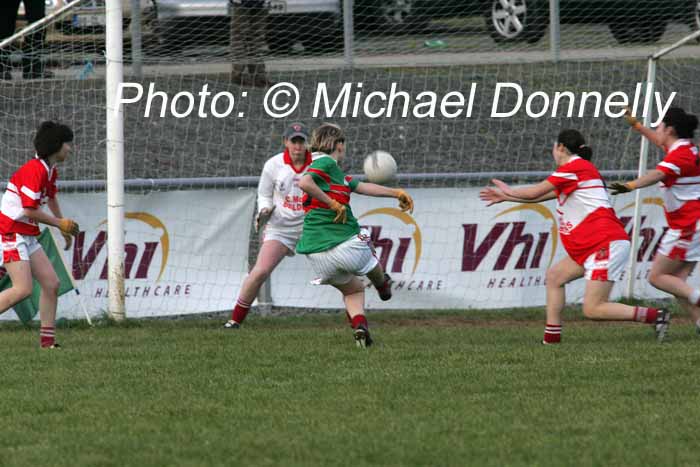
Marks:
<point>337,266</point>
<point>287,237</point>
<point>16,247</point>
<point>608,264</point>
<point>683,245</point>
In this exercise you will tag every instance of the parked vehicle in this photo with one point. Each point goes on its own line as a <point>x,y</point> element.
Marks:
<point>642,21</point>
<point>317,24</point>
<point>89,16</point>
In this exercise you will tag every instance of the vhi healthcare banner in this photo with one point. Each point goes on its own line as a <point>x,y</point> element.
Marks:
<point>455,253</point>
<point>186,251</point>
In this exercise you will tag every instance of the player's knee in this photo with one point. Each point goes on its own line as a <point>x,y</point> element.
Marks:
<point>22,291</point>
<point>50,287</point>
<point>592,311</point>
<point>259,274</point>
<point>655,278</point>
<point>554,278</point>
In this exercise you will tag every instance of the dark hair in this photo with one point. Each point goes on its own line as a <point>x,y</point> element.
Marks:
<point>574,142</point>
<point>50,137</point>
<point>683,123</point>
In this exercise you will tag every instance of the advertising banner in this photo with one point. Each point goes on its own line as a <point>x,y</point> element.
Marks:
<point>186,251</point>
<point>453,252</point>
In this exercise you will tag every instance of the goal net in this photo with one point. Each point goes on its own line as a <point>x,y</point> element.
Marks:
<point>191,164</point>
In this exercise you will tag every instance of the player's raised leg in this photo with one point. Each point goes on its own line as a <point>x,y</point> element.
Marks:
<point>597,306</point>
<point>270,255</point>
<point>43,271</point>
<point>693,310</point>
<point>669,275</point>
<point>381,281</point>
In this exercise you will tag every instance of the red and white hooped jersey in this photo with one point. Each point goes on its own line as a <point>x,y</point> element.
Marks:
<point>29,187</point>
<point>587,220</point>
<point>279,188</point>
<point>681,187</point>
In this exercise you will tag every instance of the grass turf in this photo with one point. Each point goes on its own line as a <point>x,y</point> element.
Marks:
<point>448,389</point>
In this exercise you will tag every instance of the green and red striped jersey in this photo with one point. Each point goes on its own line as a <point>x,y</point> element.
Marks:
<point>320,233</point>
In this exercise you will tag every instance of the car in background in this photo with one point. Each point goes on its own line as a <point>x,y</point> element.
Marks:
<point>642,21</point>
<point>316,24</point>
<point>88,16</point>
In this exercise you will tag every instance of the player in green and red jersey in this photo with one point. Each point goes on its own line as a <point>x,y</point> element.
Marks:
<point>332,239</point>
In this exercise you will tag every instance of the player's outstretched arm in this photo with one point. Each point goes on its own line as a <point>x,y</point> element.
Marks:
<point>493,195</point>
<point>648,179</point>
<point>648,133</point>
<point>543,191</point>
<point>372,189</point>
<point>308,185</point>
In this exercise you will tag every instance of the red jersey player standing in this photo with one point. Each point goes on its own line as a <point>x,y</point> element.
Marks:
<point>679,174</point>
<point>591,233</point>
<point>31,186</point>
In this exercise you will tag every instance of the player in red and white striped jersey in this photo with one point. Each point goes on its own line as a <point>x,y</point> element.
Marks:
<point>679,177</point>
<point>591,233</point>
<point>280,215</point>
<point>32,186</point>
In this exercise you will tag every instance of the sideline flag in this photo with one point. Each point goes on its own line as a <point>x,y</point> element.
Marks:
<point>28,308</point>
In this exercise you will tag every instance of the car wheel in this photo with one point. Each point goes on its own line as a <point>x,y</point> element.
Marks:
<point>518,20</point>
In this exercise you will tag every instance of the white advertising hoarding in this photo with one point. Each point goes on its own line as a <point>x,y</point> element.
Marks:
<point>186,251</point>
<point>455,253</point>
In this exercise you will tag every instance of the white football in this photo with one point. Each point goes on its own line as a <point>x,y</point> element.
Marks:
<point>380,167</point>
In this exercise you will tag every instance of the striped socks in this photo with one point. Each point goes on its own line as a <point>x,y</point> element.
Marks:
<point>240,311</point>
<point>645,315</point>
<point>552,334</point>
<point>47,336</point>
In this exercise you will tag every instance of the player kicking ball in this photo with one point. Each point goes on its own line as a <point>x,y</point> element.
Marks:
<point>280,212</point>
<point>591,233</point>
<point>679,174</point>
<point>33,185</point>
<point>338,250</point>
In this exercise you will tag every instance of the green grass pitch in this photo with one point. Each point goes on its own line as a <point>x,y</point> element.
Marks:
<point>438,389</point>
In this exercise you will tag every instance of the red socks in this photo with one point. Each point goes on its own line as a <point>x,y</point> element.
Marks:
<point>552,334</point>
<point>645,315</point>
<point>240,311</point>
<point>359,320</point>
<point>48,336</point>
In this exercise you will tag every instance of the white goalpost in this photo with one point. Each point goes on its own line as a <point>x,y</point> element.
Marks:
<point>115,160</point>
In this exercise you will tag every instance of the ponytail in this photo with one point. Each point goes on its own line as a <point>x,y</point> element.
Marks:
<point>574,142</point>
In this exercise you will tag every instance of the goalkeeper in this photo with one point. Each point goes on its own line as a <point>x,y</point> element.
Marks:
<point>33,185</point>
<point>679,174</point>
<point>280,215</point>
<point>338,250</point>
<point>591,233</point>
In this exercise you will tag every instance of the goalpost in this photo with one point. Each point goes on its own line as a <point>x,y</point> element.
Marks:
<point>115,159</point>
